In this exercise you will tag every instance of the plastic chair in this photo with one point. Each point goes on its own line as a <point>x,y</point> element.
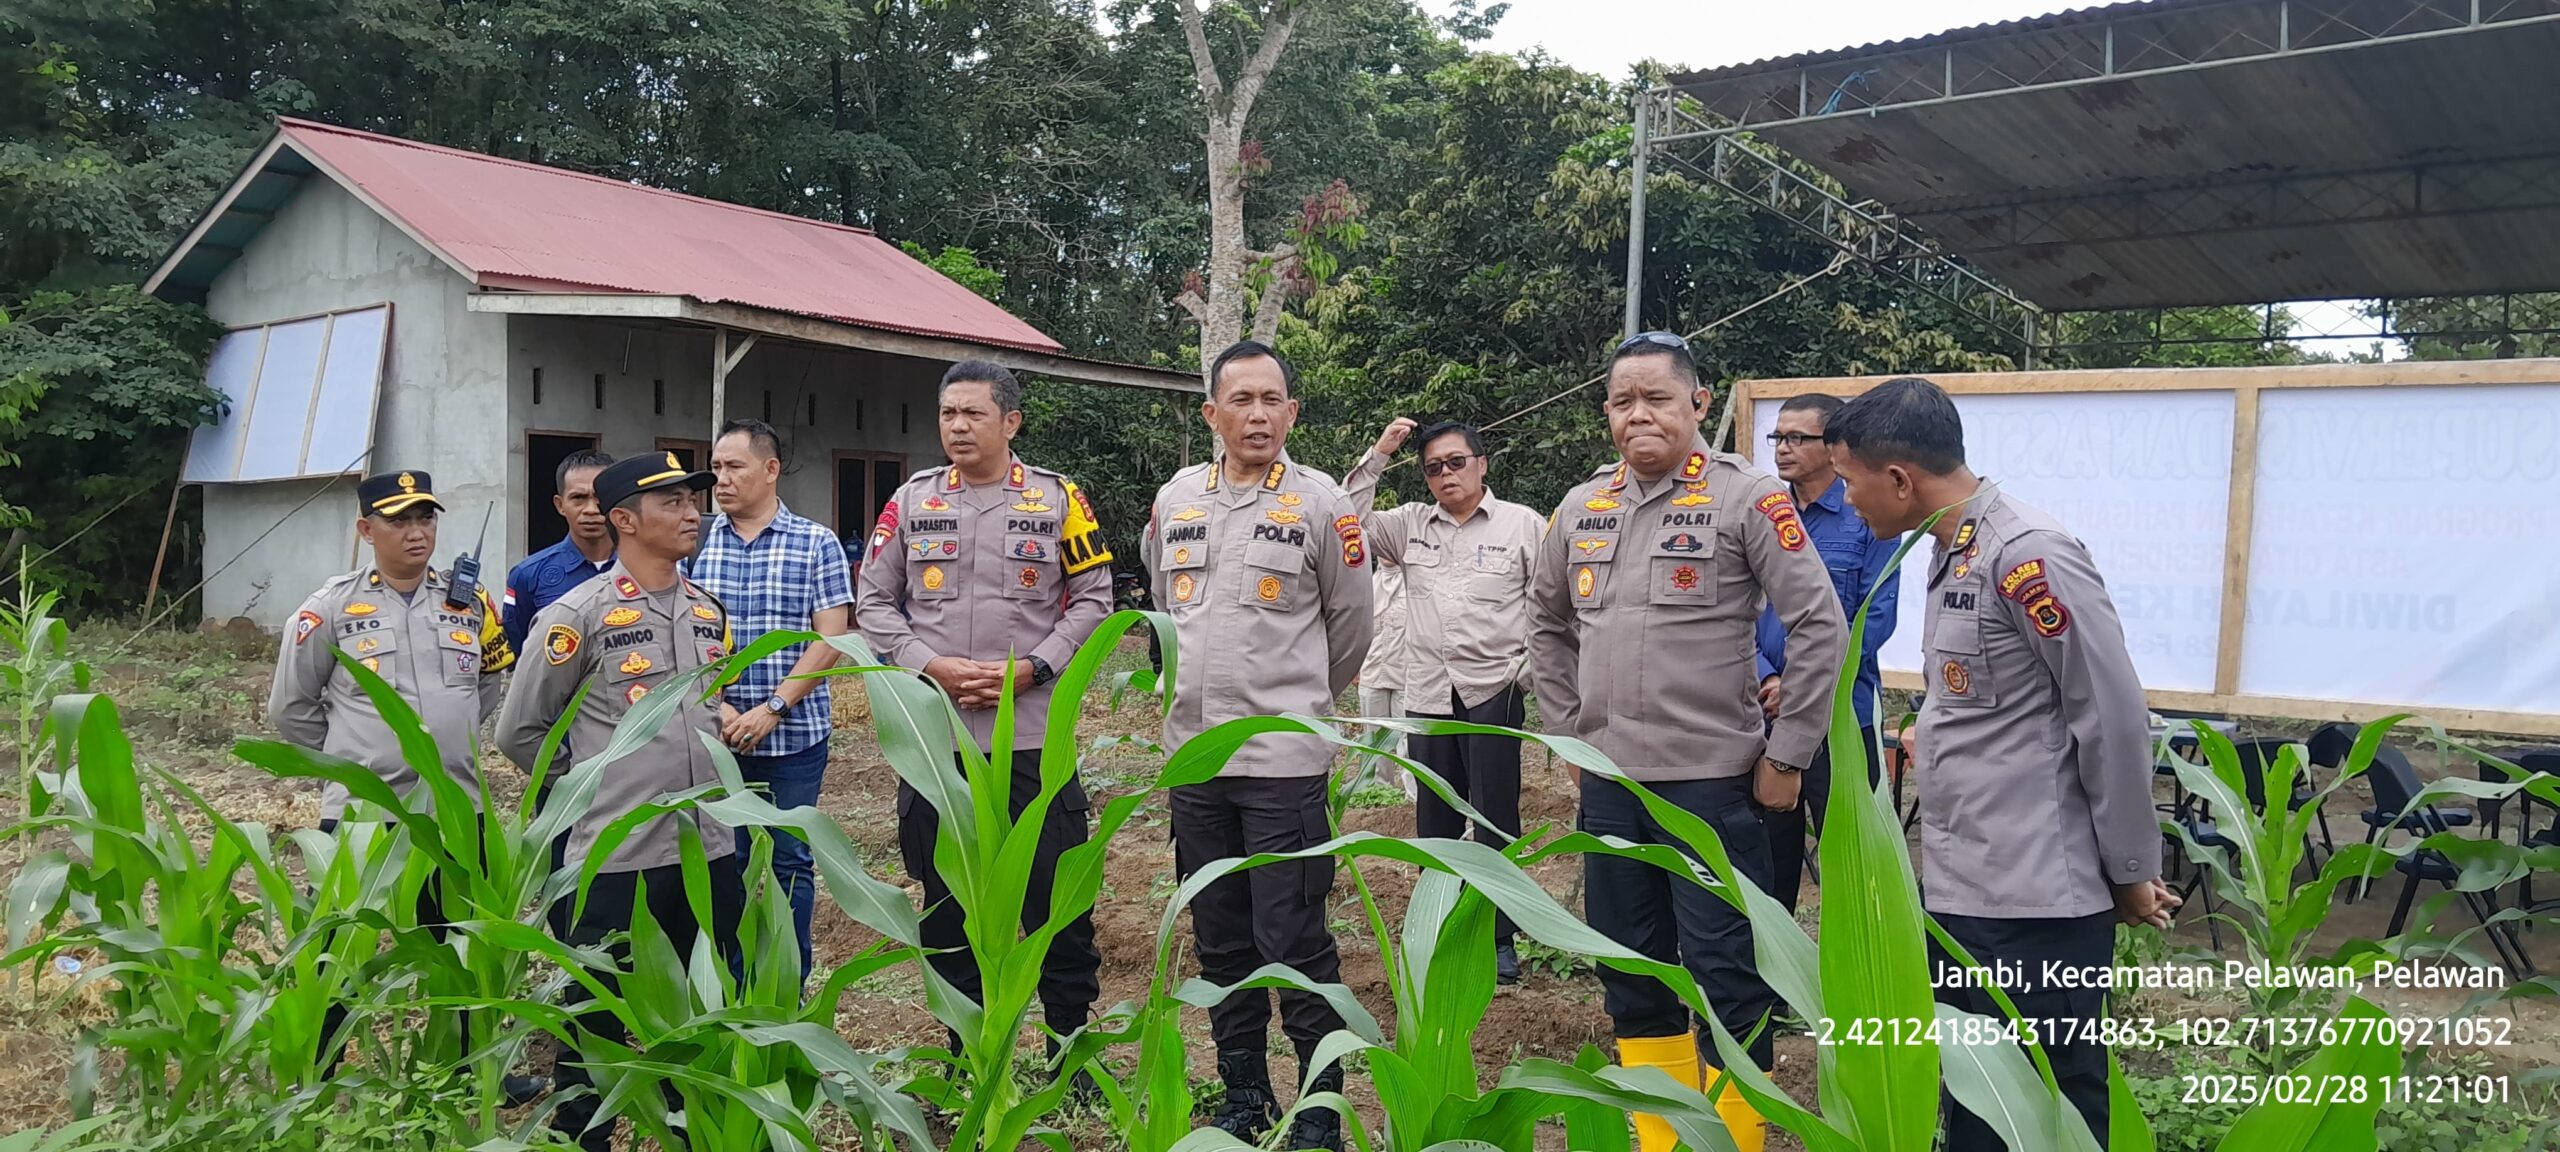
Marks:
<point>2544,760</point>
<point>2207,835</point>
<point>2395,790</point>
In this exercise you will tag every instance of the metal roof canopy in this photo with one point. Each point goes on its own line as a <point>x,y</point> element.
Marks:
<point>2173,153</point>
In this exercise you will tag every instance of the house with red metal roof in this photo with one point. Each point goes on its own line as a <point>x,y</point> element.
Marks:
<point>393,304</point>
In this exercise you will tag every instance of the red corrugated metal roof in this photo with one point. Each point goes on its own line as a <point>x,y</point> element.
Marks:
<point>519,225</point>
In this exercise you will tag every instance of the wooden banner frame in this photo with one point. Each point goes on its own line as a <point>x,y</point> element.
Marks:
<point>2246,386</point>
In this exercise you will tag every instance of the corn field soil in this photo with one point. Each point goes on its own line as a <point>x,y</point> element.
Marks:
<point>191,696</point>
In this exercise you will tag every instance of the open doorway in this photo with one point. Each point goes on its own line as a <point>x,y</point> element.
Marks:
<point>543,452</point>
<point>864,483</point>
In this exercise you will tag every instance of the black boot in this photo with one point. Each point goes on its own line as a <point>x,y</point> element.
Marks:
<point>1319,1128</point>
<point>1249,1110</point>
<point>1506,963</point>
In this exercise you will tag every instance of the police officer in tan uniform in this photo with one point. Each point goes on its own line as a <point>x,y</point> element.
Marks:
<point>443,651</point>
<point>395,617</point>
<point>633,629</point>
<point>980,561</point>
<point>2037,832</point>
<point>1264,569</point>
<point>1648,585</point>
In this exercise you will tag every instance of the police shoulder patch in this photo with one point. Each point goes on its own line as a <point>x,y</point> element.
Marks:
<point>1354,546</point>
<point>559,644</point>
<point>303,624</point>
<point>2015,582</point>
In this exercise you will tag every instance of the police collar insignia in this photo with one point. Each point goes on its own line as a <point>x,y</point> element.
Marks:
<point>951,478</point>
<point>1618,478</point>
<point>1695,468</point>
<point>628,587</point>
<point>1964,535</point>
<point>1014,479</point>
<point>1271,483</point>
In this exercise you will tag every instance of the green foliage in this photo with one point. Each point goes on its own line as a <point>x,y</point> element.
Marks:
<point>961,265</point>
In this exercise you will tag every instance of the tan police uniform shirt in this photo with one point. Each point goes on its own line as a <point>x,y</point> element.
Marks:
<point>1642,613</point>
<point>1014,569</point>
<point>2035,742</point>
<point>446,664</point>
<point>626,642</point>
<point>1269,589</point>
<point>1466,589</point>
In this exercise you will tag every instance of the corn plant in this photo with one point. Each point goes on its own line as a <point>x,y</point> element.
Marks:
<point>40,665</point>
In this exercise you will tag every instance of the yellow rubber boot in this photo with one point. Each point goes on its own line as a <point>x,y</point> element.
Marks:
<point>1740,1118</point>
<point>1677,1055</point>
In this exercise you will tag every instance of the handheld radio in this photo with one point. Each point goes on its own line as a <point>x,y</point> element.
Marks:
<point>466,569</point>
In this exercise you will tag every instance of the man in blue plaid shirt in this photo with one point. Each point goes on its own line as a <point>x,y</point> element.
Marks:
<point>775,571</point>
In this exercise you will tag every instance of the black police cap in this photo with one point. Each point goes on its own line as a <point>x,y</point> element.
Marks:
<point>633,475</point>
<point>392,493</point>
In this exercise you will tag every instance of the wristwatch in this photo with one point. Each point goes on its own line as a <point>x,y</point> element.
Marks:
<point>1041,673</point>
<point>776,704</point>
<point>1783,766</point>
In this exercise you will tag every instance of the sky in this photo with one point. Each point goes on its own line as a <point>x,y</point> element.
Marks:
<point>1608,37</point>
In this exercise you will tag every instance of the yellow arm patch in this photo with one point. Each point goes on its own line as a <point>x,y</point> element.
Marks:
<point>496,655</point>
<point>1080,543</point>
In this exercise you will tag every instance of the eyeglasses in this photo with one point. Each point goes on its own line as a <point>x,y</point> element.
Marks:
<point>1795,439</point>
<point>1660,339</point>
<point>1446,465</point>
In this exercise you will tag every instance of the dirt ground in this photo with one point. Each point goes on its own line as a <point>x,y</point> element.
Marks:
<point>186,698</point>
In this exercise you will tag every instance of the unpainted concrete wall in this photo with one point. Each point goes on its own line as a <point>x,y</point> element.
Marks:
<point>866,401</point>
<point>442,409</point>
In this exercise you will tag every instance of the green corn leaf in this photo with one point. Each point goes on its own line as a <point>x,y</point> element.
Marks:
<point>1875,965</point>
<point>2364,1057</point>
<point>2127,1129</point>
<point>1996,1081</point>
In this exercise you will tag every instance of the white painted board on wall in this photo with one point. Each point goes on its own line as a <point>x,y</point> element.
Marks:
<point>300,398</point>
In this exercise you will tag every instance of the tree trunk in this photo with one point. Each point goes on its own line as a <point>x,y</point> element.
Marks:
<point>1226,109</point>
<point>844,172</point>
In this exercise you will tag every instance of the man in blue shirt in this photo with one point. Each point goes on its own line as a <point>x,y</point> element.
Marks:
<point>549,574</point>
<point>775,572</point>
<point>1856,560</point>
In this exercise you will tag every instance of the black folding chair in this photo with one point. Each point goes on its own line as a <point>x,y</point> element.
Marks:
<point>2395,790</point>
<point>2210,837</point>
<point>2330,747</point>
<point>2545,760</point>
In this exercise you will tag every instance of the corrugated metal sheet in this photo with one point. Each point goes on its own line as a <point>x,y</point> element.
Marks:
<point>2391,168</point>
<point>519,225</point>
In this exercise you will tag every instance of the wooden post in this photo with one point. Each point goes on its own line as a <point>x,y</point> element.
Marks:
<point>152,592</point>
<point>723,361</point>
<point>2242,507</point>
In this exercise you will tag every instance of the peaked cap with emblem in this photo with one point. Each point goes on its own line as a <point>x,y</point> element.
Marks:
<point>391,493</point>
<point>633,475</point>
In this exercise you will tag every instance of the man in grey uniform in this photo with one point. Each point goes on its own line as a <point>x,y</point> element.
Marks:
<point>1647,588</point>
<point>2037,832</point>
<point>631,630</point>
<point>984,560</point>
<point>394,617</point>
<point>443,651</point>
<point>1264,569</point>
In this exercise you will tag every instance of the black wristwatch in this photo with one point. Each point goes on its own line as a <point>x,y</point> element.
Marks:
<point>1783,766</point>
<point>1041,673</point>
<point>776,704</point>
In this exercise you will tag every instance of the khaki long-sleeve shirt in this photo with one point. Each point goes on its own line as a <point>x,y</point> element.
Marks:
<point>1642,614</point>
<point>1013,569</point>
<point>446,664</point>
<point>1466,589</point>
<point>629,642</point>
<point>1383,671</point>
<point>1269,589</point>
<point>2035,742</point>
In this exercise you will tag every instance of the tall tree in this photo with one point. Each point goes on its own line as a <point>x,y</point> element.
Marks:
<point>1228,106</point>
